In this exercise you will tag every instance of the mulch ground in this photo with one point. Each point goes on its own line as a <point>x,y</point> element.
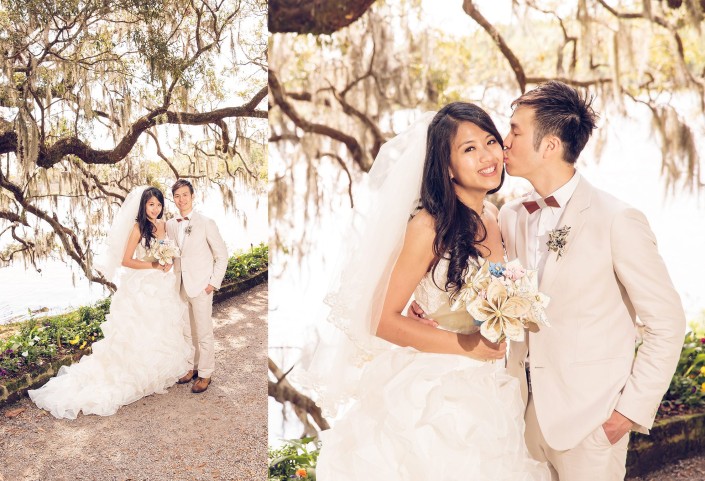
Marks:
<point>691,469</point>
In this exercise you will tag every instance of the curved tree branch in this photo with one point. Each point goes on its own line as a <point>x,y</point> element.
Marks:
<point>282,391</point>
<point>341,162</point>
<point>514,63</point>
<point>314,16</point>
<point>350,142</point>
<point>12,217</point>
<point>49,156</point>
<point>647,15</point>
<point>68,238</point>
<point>162,156</point>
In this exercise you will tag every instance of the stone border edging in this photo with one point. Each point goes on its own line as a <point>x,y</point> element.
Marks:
<point>671,439</point>
<point>229,290</point>
<point>17,388</point>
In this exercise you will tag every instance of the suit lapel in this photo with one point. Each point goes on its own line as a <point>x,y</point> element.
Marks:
<point>521,244</point>
<point>573,217</point>
<point>193,220</point>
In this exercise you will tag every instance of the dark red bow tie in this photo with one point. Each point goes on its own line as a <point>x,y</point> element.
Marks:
<point>183,218</point>
<point>534,205</point>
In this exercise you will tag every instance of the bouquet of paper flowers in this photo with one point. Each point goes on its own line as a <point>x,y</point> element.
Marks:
<point>503,298</point>
<point>164,251</point>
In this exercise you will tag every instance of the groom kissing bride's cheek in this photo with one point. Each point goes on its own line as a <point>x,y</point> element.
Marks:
<point>583,387</point>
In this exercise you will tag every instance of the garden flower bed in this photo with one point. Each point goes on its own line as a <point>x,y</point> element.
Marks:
<point>244,271</point>
<point>679,430</point>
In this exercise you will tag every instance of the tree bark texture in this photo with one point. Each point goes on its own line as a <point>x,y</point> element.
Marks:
<point>316,17</point>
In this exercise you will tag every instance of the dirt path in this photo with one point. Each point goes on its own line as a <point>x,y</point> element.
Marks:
<point>691,469</point>
<point>218,435</point>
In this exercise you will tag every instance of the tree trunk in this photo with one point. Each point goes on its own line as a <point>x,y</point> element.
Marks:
<point>316,17</point>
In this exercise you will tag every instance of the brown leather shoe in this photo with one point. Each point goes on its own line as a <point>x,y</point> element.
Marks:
<point>200,385</point>
<point>187,377</point>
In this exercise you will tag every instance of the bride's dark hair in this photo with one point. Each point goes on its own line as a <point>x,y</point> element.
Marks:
<point>458,228</point>
<point>146,227</point>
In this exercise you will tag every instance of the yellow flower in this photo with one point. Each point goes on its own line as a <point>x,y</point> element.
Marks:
<point>75,340</point>
<point>301,473</point>
<point>83,344</point>
<point>702,371</point>
<point>702,388</point>
<point>500,313</point>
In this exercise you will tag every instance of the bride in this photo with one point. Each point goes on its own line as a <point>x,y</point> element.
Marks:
<point>427,404</point>
<point>143,351</point>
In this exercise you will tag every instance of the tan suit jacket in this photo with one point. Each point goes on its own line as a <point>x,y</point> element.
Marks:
<point>204,256</point>
<point>584,365</point>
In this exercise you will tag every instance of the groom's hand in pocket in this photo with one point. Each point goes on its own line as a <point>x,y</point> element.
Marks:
<point>617,426</point>
<point>416,313</point>
<point>209,289</point>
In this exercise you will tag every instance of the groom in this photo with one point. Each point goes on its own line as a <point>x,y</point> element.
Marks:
<point>582,383</point>
<point>199,270</point>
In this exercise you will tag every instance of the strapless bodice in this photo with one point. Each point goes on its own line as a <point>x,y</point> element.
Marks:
<point>144,254</point>
<point>436,302</point>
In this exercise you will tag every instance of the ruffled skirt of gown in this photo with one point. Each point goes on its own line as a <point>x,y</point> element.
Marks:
<point>424,416</point>
<point>143,351</point>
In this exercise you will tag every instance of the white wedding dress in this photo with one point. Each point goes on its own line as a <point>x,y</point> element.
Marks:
<point>143,351</point>
<point>422,416</point>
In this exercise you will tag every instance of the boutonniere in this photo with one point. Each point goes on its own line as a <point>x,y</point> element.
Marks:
<point>557,240</point>
<point>188,229</point>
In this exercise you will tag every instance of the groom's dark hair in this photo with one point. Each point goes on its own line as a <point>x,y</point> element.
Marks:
<point>181,183</point>
<point>561,111</point>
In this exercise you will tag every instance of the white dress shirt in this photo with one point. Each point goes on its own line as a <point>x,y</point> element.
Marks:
<point>545,220</point>
<point>182,227</point>
<point>541,222</point>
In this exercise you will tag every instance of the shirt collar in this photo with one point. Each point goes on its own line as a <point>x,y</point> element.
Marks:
<point>564,192</point>
<point>189,215</point>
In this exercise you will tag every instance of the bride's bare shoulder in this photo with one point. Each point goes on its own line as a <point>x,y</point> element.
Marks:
<point>422,223</point>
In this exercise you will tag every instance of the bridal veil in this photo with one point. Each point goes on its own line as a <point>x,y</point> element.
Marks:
<point>358,285</point>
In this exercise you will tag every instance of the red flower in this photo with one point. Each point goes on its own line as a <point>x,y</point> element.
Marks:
<point>702,341</point>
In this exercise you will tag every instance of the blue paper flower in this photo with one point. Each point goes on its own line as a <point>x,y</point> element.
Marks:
<point>496,269</point>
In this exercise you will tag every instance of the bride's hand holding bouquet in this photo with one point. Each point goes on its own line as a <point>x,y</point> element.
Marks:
<point>164,251</point>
